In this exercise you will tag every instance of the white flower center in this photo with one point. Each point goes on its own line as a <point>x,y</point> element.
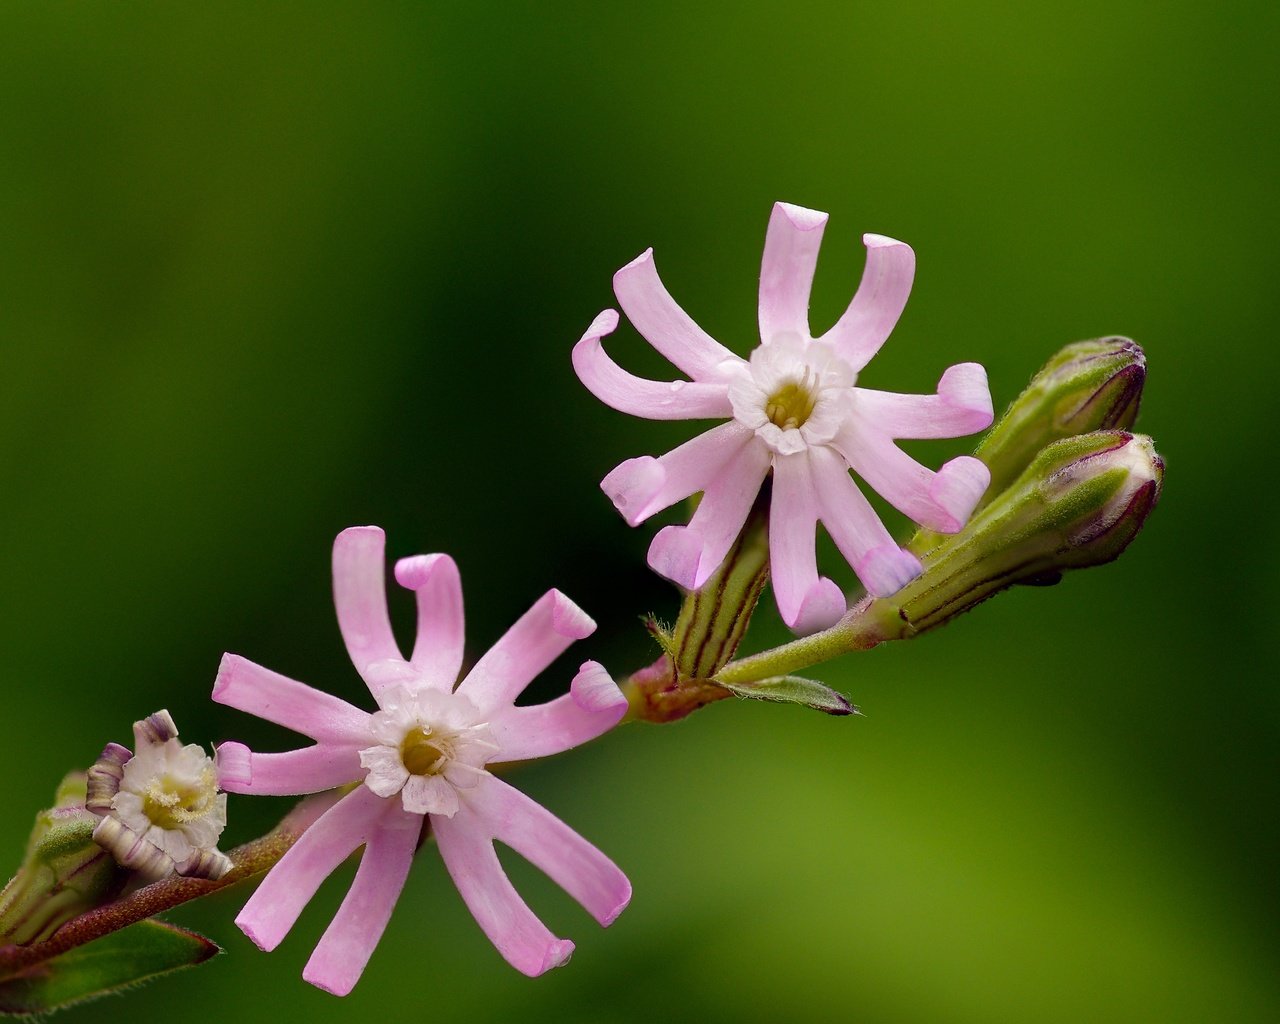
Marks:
<point>792,393</point>
<point>429,745</point>
<point>169,794</point>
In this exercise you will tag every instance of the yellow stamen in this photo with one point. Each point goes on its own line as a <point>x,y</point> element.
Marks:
<point>170,803</point>
<point>792,404</point>
<point>419,753</point>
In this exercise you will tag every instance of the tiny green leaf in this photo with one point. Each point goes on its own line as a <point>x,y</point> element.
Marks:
<point>119,960</point>
<point>794,690</point>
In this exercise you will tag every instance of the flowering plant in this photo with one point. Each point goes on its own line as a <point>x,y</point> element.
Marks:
<point>1060,483</point>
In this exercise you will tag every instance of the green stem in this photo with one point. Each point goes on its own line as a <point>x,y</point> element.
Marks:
<point>870,622</point>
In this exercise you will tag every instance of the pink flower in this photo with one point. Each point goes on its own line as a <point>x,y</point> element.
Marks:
<point>425,752</point>
<point>792,408</point>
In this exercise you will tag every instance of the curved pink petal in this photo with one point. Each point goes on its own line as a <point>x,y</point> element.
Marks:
<point>593,706</point>
<point>343,951</point>
<point>786,271</point>
<point>675,553</point>
<point>360,597</point>
<point>887,569</point>
<point>941,501</point>
<point>437,649</point>
<point>594,690</point>
<point>806,601</point>
<point>553,847</point>
<point>640,487</point>
<point>243,685</point>
<point>666,326</point>
<point>279,899</point>
<point>688,555</point>
<point>959,485</point>
<point>538,637</point>
<point>883,567</point>
<point>309,770</point>
<point>880,299</point>
<point>472,863</point>
<point>961,406</point>
<point>636,396</point>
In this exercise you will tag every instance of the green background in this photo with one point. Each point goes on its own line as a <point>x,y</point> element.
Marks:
<point>270,270</point>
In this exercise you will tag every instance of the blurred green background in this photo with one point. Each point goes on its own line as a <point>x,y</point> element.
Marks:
<point>270,270</point>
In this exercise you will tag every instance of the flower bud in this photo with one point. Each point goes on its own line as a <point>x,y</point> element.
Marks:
<point>1087,386</point>
<point>63,874</point>
<point>1080,503</point>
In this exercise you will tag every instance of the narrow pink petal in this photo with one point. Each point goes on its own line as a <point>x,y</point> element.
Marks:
<point>880,299</point>
<point>959,486</point>
<point>887,569</point>
<point>279,899</point>
<point>593,706</point>
<point>636,396</point>
<point>961,406</point>
<point>472,863</point>
<point>309,770</point>
<point>539,636</point>
<point>806,601</point>
<point>437,651</point>
<point>941,501</point>
<point>640,487</point>
<point>675,554</point>
<point>716,523</point>
<point>882,566</point>
<point>666,326</point>
<point>248,687</point>
<point>343,951</point>
<point>593,689</point>
<point>786,271</point>
<point>553,847</point>
<point>360,597</point>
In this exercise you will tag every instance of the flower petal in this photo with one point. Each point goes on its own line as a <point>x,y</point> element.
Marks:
<point>550,845</point>
<point>593,706</point>
<point>786,272</point>
<point>675,554</point>
<point>688,555</point>
<point>806,601</point>
<point>593,689</point>
<point>941,501</point>
<point>666,326</point>
<point>360,597</point>
<point>959,486</point>
<point>429,794</point>
<point>437,650</point>
<point>343,951</point>
<point>248,687</point>
<point>636,396</point>
<point>538,637</point>
<point>880,299</point>
<point>472,863</point>
<point>640,487</point>
<point>309,770</point>
<point>279,899</point>
<point>882,566</point>
<point>961,406</point>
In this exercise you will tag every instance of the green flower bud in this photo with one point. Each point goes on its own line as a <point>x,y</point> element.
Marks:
<point>64,872</point>
<point>1087,386</point>
<point>1080,503</point>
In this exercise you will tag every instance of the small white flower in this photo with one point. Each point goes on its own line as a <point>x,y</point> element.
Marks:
<point>160,806</point>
